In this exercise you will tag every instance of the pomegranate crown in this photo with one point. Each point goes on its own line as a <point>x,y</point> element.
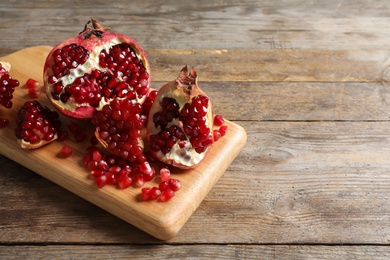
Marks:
<point>97,29</point>
<point>188,79</point>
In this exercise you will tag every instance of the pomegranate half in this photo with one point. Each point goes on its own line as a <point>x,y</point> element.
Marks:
<point>86,71</point>
<point>180,122</point>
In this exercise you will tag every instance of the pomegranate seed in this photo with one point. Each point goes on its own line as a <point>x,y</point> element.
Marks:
<point>145,167</point>
<point>3,122</point>
<point>62,135</point>
<point>149,176</point>
<point>174,184</point>
<point>97,173</point>
<point>96,155</point>
<point>100,181</point>
<point>65,152</point>
<point>216,135</point>
<point>125,182</point>
<point>32,86</point>
<point>166,195</point>
<point>80,136</point>
<point>154,193</point>
<point>139,180</point>
<point>110,178</point>
<point>223,130</point>
<point>145,193</point>
<point>73,127</point>
<point>163,185</point>
<point>218,120</point>
<point>165,174</point>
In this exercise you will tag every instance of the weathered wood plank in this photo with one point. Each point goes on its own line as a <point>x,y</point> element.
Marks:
<point>294,182</point>
<point>257,252</point>
<point>272,65</point>
<point>295,101</point>
<point>203,24</point>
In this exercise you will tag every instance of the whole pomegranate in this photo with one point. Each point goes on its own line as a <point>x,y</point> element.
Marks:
<point>180,123</point>
<point>86,71</point>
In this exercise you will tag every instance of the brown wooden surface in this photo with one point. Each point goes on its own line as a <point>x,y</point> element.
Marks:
<point>309,82</point>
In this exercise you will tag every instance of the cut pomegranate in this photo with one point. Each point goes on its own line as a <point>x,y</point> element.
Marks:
<point>7,85</point>
<point>88,70</point>
<point>118,129</point>
<point>180,123</point>
<point>65,152</point>
<point>36,125</point>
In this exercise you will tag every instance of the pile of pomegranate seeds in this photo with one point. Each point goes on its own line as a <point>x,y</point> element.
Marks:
<point>165,190</point>
<point>110,169</point>
<point>33,88</point>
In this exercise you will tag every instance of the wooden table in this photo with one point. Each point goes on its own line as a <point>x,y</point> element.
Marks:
<point>309,82</point>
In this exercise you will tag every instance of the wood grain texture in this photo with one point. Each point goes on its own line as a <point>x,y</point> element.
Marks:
<point>250,24</point>
<point>257,252</point>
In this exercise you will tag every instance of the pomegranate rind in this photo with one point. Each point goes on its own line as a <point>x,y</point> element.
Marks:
<point>94,45</point>
<point>183,89</point>
<point>27,145</point>
<point>6,66</point>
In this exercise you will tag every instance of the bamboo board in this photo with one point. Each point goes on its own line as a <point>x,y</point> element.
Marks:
<point>161,220</point>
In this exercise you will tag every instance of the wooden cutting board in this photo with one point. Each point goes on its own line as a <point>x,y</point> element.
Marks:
<point>160,219</point>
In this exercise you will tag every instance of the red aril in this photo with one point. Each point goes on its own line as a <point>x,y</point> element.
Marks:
<point>166,195</point>
<point>65,152</point>
<point>180,123</point>
<point>36,125</point>
<point>33,88</point>
<point>86,71</point>
<point>218,120</point>
<point>174,184</point>
<point>3,122</point>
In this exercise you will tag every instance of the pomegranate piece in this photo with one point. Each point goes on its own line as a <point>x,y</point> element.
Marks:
<point>95,66</point>
<point>36,125</point>
<point>118,128</point>
<point>7,85</point>
<point>180,123</point>
<point>65,152</point>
